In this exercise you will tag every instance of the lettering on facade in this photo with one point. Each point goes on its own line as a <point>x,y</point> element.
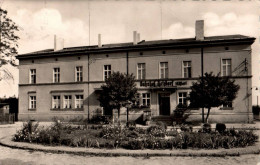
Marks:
<point>162,83</point>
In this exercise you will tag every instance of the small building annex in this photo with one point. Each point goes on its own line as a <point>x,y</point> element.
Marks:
<point>66,83</point>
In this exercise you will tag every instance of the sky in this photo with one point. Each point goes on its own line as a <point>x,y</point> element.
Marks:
<point>79,22</point>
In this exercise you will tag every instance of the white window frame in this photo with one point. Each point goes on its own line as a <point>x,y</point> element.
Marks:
<point>165,70</point>
<point>106,71</point>
<point>56,75</point>
<point>79,101</point>
<point>226,73</point>
<point>32,102</point>
<point>185,69</point>
<point>141,68</point>
<point>144,99</point>
<point>56,103</point>
<point>32,76</point>
<point>67,102</point>
<point>182,97</point>
<point>78,74</point>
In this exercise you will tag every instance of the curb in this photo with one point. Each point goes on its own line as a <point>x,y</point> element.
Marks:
<point>133,153</point>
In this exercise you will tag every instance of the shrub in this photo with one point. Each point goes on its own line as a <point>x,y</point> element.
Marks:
<point>220,127</point>
<point>161,124</point>
<point>156,131</point>
<point>206,128</point>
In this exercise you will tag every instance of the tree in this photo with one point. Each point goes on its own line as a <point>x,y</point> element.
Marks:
<point>118,91</point>
<point>212,91</point>
<point>8,42</point>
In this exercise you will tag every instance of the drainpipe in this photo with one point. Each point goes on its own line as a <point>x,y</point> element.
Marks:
<point>127,65</point>
<point>202,78</point>
<point>88,87</point>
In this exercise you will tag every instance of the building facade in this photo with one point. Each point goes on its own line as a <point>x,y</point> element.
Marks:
<point>66,83</point>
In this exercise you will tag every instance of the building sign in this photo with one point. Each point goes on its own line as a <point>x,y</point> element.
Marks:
<point>162,83</point>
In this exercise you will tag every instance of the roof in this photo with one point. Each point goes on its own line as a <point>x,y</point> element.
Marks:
<point>143,45</point>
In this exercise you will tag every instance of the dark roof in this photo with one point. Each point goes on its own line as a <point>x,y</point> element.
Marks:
<point>143,44</point>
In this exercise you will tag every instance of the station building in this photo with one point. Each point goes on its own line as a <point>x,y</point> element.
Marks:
<point>66,82</point>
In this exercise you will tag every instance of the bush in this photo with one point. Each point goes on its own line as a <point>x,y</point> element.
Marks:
<point>161,124</point>
<point>156,131</point>
<point>220,127</point>
<point>206,128</point>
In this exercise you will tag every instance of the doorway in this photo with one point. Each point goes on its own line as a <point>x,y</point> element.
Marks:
<point>164,104</point>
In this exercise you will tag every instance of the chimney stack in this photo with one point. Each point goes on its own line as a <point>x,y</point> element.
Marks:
<point>99,41</point>
<point>138,37</point>
<point>58,43</point>
<point>199,30</point>
<point>55,44</point>
<point>135,38</point>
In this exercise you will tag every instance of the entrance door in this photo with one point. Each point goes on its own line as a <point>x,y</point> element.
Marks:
<point>164,104</point>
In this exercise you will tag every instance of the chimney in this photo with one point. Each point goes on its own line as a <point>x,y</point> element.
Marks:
<point>54,43</point>
<point>58,43</point>
<point>135,38</point>
<point>199,31</point>
<point>138,37</point>
<point>99,41</point>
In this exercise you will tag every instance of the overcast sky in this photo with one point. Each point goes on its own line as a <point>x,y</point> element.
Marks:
<point>40,20</point>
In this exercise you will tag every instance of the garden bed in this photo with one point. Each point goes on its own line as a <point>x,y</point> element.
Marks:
<point>118,136</point>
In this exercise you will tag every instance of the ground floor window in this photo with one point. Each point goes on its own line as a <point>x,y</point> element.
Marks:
<point>227,106</point>
<point>32,102</point>
<point>67,102</point>
<point>182,98</point>
<point>56,102</point>
<point>146,99</point>
<point>78,101</point>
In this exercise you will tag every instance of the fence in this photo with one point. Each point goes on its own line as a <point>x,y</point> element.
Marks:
<point>7,118</point>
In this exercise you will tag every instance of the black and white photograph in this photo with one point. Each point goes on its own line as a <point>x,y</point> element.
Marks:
<point>89,82</point>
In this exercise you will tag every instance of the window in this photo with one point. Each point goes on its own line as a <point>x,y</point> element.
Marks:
<point>79,74</point>
<point>32,76</point>
<point>226,67</point>
<point>163,69</point>
<point>146,99</point>
<point>32,102</point>
<point>141,71</point>
<point>67,102</point>
<point>137,101</point>
<point>187,69</point>
<point>182,98</point>
<point>228,105</point>
<point>55,102</point>
<point>78,101</point>
<point>56,75</point>
<point>107,71</point>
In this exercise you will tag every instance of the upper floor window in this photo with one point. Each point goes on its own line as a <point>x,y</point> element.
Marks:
<point>141,71</point>
<point>226,67</point>
<point>163,69</point>
<point>78,101</point>
<point>56,75</point>
<point>182,98</point>
<point>146,99</point>
<point>107,71</point>
<point>32,76</point>
<point>32,102</point>
<point>56,102</point>
<point>67,102</point>
<point>187,69</point>
<point>79,74</point>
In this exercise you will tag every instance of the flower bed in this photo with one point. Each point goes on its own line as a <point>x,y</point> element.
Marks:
<point>116,136</point>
